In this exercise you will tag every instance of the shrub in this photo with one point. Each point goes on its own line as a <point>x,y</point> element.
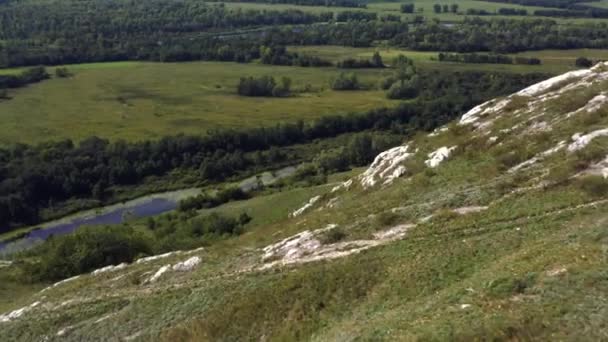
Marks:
<point>345,82</point>
<point>387,218</point>
<point>85,250</point>
<point>332,236</point>
<point>596,186</point>
<point>583,62</point>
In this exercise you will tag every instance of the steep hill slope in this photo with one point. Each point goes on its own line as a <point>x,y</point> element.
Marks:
<point>493,227</point>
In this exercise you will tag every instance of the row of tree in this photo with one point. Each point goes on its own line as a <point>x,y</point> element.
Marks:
<point>264,86</point>
<point>486,58</point>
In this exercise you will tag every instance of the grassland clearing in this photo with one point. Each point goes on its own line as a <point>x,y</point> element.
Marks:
<point>136,101</point>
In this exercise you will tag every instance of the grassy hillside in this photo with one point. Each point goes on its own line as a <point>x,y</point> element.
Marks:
<point>502,237</point>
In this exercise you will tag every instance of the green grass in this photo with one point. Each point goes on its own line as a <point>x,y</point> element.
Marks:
<point>553,61</point>
<point>134,101</point>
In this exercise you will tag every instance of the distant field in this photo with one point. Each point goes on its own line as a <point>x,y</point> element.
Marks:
<point>554,61</point>
<point>384,8</point>
<point>133,101</point>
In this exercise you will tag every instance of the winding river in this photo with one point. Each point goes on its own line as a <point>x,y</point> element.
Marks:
<point>146,206</point>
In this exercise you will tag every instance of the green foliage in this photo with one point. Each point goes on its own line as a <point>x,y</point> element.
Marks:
<point>508,286</point>
<point>332,236</point>
<point>345,81</point>
<point>85,250</point>
<point>583,62</point>
<point>596,186</point>
<point>206,201</point>
<point>62,72</point>
<point>386,219</point>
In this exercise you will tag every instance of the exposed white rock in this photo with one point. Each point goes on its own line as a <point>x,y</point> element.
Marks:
<point>187,265</point>
<point>465,306</point>
<point>332,202</point>
<point>581,141</point>
<point>395,232</point>
<point>305,247</point>
<point>469,210</point>
<point>538,157</point>
<point>60,283</point>
<point>17,313</point>
<point>294,247</point>
<point>346,185</point>
<point>110,268</point>
<point>439,155</point>
<point>158,274</point>
<point>544,86</point>
<point>484,109</point>
<point>493,139</point>
<point>156,257</point>
<point>437,131</point>
<point>386,166</point>
<point>306,206</point>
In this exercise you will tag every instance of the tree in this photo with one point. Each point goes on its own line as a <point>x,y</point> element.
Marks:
<point>62,73</point>
<point>454,8</point>
<point>446,8</point>
<point>377,60</point>
<point>583,62</point>
<point>407,8</point>
<point>437,8</point>
<point>345,82</point>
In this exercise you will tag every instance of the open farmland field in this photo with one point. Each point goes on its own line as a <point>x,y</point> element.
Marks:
<point>553,61</point>
<point>136,101</point>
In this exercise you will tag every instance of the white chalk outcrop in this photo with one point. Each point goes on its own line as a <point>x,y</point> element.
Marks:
<point>164,269</point>
<point>305,247</point>
<point>538,94</point>
<point>17,313</point>
<point>386,167</point>
<point>538,157</point>
<point>346,185</point>
<point>306,206</point>
<point>438,156</point>
<point>581,141</point>
<point>187,265</point>
<point>110,268</point>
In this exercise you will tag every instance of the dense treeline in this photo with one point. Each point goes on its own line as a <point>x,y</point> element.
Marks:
<point>171,34</point>
<point>278,55</point>
<point>31,75</point>
<point>352,63</point>
<point>41,177</point>
<point>585,12</point>
<point>542,3</point>
<point>486,58</point>
<point>329,3</point>
<point>264,86</point>
<point>503,36</point>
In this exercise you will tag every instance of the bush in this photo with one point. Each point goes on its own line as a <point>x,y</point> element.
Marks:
<point>405,90</point>
<point>62,72</point>
<point>583,62</point>
<point>596,186</point>
<point>85,250</point>
<point>332,236</point>
<point>345,82</point>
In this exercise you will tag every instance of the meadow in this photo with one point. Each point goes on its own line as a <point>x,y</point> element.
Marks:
<point>144,100</point>
<point>134,101</point>
<point>553,61</point>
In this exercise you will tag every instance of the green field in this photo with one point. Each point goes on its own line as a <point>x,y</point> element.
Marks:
<point>133,101</point>
<point>141,100</point>
<point>553,61</point>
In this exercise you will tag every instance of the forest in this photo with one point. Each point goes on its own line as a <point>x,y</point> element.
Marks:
<point>43,34</point>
